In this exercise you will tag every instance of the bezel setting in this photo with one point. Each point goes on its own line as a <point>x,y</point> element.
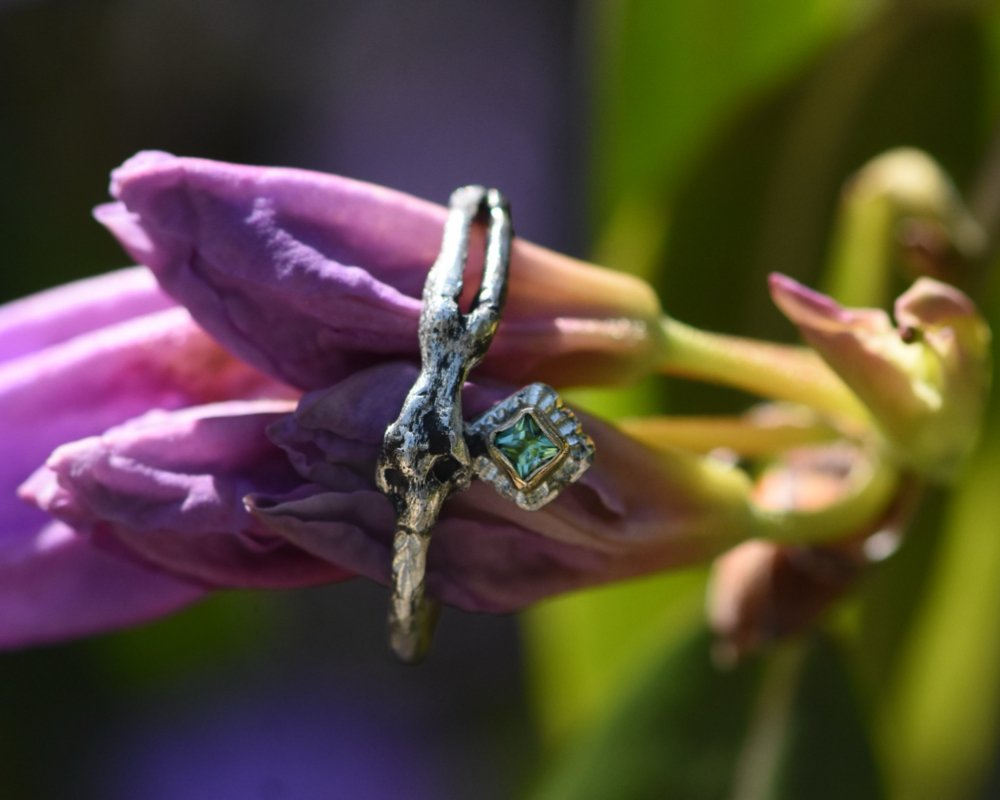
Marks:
<point>560,425</point>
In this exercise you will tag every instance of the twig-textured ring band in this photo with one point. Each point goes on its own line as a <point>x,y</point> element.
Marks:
<point>529,447</point>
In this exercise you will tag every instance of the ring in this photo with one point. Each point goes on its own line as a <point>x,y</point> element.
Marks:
<point>529,446</point>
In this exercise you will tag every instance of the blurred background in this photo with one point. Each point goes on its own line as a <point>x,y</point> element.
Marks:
<point>698,143</point>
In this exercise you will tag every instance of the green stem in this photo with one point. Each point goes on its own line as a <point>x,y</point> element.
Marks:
<point>897,187</point>
<point>853,514</point>
<point>745,435</point>
<point>860,272</point>
<point>765,743</point>
<point>777,371</point>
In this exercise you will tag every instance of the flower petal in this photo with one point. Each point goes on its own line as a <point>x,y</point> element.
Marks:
<point>634,511</point>
<point>91,382</point>
<point>63,587</point>
<point>167,489</point>
<point>77,388</point>
<point>50,317</point>
<point>311,277</point>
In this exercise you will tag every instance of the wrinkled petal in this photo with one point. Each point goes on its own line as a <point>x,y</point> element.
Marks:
<point>48,318</point>
<point>311,277</point>
<point>924,379</point>
<point>64,587</point>
<point>634,511</point>
<point>167,489</point>
<point>91,382</point>
<point>79,387</point>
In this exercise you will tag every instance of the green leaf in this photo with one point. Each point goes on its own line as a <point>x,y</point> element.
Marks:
<point>584,647</point>
<point>674,733</point>
<point>940,720</point>
<point>784,727</point>
<point>670,74</point>
<point>676,69</point>
<point>828,747</point>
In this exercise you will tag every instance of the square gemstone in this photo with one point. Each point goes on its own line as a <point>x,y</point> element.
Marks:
<point>525,446</point>
<point>530,446</point>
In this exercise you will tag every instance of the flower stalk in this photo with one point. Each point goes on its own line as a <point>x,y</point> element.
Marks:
<point>874,485</point>
<point>900,214</point>
<point>762,432</point>
<point>777,371</point>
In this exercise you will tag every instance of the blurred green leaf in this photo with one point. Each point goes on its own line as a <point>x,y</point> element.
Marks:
<point>828,747</point>
<point>674,71</point>
<point>224,627</point>
<point>669,76</point>
<point>673,733</point>
<point>764,194</point>
<point>583,647</point>
<point>781,728</point>
<point>940,717</point>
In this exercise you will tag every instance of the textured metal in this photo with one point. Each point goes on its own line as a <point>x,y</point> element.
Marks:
<point>424,455</point>
<point>557,422</point>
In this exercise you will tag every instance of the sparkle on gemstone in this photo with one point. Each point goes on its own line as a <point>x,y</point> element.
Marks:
<point>525,446</point>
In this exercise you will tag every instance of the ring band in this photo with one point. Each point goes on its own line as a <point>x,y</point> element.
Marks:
<point>529,446</point>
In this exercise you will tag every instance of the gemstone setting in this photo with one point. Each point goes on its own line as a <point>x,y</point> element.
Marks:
<point>529,446</point>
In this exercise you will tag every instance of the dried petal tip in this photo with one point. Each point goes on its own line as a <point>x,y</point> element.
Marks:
<point>924,379</point>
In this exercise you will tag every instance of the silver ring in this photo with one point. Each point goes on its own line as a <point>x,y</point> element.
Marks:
<point>529,446</point>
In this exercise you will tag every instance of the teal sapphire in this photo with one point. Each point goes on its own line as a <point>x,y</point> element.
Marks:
<point>526,446</point>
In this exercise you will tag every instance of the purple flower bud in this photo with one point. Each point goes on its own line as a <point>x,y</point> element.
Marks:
<point>59,314</point>
<point>149,443</point>
<point>169,488</point>
<point>310,277</point>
